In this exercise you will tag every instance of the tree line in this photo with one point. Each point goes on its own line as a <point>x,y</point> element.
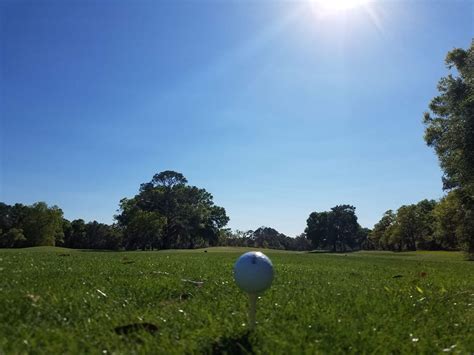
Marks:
<point>263,237</point>
<point>169,213</point>
<point>427,225</point>
<point>166,213</point>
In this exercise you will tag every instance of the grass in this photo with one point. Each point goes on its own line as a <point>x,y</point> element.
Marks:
<point>65,301</point>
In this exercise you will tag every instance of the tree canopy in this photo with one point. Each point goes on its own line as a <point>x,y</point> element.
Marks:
<point>450,124</point>
<point>169,213</point>
<point>35,225</point>
<point>450,131</point>
<point>410,228</point>
<point>336,229</point>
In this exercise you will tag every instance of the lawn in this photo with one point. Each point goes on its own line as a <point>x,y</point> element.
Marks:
<point>56,300</point>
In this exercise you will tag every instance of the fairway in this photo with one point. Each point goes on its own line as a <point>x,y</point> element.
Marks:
<point>55,300</point>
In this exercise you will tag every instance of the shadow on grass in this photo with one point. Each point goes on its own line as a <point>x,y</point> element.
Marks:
<point>233,345</point>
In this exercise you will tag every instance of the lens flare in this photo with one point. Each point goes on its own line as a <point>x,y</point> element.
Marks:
<point>338,5</point>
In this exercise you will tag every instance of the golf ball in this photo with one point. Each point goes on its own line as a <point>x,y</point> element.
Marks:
<point>253,272</point>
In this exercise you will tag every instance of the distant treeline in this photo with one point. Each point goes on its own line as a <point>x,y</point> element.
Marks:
<point>40,225</point>
<point>427,225</point>
<point>264,237</point>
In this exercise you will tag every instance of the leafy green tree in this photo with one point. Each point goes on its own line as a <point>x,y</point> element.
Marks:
<point>75,236</point>
<point>13,238</point>
<point>425,224</point>
<point>300,243</point>
<point>5,221</point>
<point>362,238</point>
<point>317,229</point>
<point>32,225</point>
<point>190,218</point>
<point>266,237</point>
<point>66,225</point>
<point>101,236</point>
<point>12,216</point>
<point>448,215</point>
<point>42,225</point>
<point>450,131</point>
<point>402,234</point>
<point>450,124</point>
<point>144,231</point>
<point>92,235</point>
<point>336,230</point>
<point>379,237</point>
<point>343,227</point>
<point>411,228</point>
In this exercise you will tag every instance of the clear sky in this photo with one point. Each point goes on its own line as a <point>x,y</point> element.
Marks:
<point>276,108</point>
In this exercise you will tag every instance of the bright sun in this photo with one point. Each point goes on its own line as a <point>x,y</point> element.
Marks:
<point>338,5</point>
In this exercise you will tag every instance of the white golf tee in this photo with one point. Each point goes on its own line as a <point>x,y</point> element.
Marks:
<point>252,310</point>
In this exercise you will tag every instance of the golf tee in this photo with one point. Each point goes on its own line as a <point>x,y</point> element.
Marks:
<point>252,310</point>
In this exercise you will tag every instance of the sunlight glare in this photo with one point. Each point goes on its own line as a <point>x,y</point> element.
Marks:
<point>338,5</point>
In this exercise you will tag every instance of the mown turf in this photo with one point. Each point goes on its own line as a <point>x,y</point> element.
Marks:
<point>65,301</point>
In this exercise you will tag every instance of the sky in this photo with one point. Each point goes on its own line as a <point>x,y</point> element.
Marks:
<point>278,108</point>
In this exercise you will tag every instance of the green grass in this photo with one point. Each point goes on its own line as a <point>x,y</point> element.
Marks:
<point>65,301</point>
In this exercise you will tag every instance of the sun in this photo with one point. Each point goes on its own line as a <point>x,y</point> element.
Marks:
<point>338,5</point>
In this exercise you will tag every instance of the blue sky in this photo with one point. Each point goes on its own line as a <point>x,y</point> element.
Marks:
<point>273,107</point>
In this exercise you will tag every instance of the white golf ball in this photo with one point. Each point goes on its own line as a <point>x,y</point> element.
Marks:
<point>253,272</point>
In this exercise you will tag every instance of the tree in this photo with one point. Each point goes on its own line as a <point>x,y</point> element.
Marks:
<point>92,235</point>
<point>425,222</point>
<point>337,229</point>
<point>342,227</point>
<point>13,238</point>
<point>186,214</point>
<point>450,124</point>
<point>300,243</point>
<point>450,131</point>
<point>378,238</point>
<point>448,215</point>
<point>144,231</point>
<point>33,225</point>
<point>169,179</point>
<point>75,234</point>
<point>42,225</point>
<point>411,228</point>
<point>5,219</point>
<point>402,234</point>
<point>317,229</point>
<point>362,238</point>
<point>266,237</point>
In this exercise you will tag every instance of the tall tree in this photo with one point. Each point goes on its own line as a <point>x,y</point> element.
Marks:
<point>450,131</point>
<point>450,124</point>
<point>337,229</point>
<point>186,214</point>
<point>343,227</point>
